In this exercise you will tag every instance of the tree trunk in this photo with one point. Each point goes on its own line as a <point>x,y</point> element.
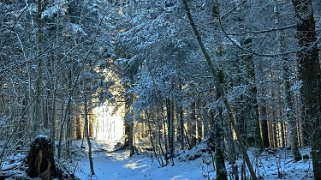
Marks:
<point>92,172</point>
<point>205,118</point>
<point>53,114</point>
<point>46,109</point>
<point>37,106</point>
<point>263,113</point>
<point>192,126</point>
<point>221,172</point>
<point>129,124</point>
<point>78,128</point>
<point>68,136</point>
<point>170,127</point>
<point>165,137</point>
<point>264,127</point>
<point>199,124</point>
<point>61,132</point>
<point>181,127</point>
<point>218,84</point>
<point>309,73</point>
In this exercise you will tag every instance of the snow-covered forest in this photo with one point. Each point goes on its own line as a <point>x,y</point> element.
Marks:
<point>160,89</point>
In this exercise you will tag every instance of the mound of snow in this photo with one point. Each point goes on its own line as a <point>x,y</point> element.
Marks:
<point>196,152</point>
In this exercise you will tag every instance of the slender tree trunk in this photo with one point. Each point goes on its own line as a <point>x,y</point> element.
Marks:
<point>92,172</point>
<point>46,109</point>
<point>53,112</point>
<point>129,124</point>
<point>68,136</point>
<point>165,134</point>
<point>241,122</point>
<point>170,127</point>
<point>219,85</point>
<point>205,118</point>
<point>131,138</point>
<point>53,57</point>
<point>22,125</point>
<point>221,172</point>
<point>92,132</point>
<point>192,125</point>
<point>298,118</point>
<point>275,130</point>
<point>61,132</point>
<point>199,124</point>
<point>181,127</point>
<point>282,134</point>
<point>78,128</point>
<point>263,113</point>
<point>271,133</point>
<point>310,74</point>
<point>231,150</point>
<point>264,127</point>
<point>160,136</point>
<point>37,106</point>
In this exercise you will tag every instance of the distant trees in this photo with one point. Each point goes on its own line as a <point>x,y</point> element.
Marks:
<point>285,76</point>
<point>44,47</point>
<point>260,80</point>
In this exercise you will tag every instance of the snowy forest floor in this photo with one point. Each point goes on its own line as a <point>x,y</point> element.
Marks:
<point>271,164</point>
<point>193,165</point>
<point>118,165</point>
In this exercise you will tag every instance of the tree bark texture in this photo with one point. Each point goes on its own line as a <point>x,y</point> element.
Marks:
<point>309,73</point>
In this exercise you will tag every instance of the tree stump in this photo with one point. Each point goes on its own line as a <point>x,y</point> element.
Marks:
<point>40,159</point>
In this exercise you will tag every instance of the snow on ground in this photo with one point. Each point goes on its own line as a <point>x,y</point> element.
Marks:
<point>109,166</point>
<point>279,164</point>
<point>117,165</point>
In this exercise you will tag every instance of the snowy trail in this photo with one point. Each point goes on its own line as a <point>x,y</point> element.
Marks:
<point>110,166</point>
<point>117,165</point>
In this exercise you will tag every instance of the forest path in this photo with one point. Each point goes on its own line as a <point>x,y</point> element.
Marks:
<point>118,165</point>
